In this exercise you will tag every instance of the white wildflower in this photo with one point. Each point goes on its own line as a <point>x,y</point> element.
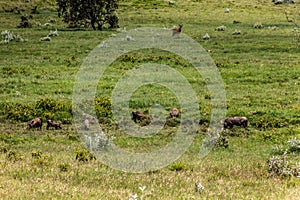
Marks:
<point>221,28</point>
<point>47,38</point>
<point>199,187</point>
<point>53,33</point>
<point>206,37</point>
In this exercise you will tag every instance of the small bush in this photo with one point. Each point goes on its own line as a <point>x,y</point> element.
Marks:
<point>278,165</point>
<point>178,167</point>
<point>37,154</point>
<point>84,155</point>
<point>258,25</point>
<point>291,146</point>
<point>221,28</point>
<point>64,167</point>
<point>11,139</point>
<point>72,136</point>
<point>8,37</point>
<point>4,149</point>
<point>103,107</point>
<point>12,155</point>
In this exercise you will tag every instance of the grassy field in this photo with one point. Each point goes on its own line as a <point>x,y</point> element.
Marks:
<point>259,69</point>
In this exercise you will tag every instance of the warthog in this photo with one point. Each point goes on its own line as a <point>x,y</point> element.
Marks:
<point>137,116</point>
<point>35,123</point>
<point>174,113</point>
<point>237,120</point>
<point>51,123</point>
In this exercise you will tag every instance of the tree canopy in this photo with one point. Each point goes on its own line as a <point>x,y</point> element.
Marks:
<point>94,13</point>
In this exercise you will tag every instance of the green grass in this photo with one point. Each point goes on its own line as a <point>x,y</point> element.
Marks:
<point>259,68</point>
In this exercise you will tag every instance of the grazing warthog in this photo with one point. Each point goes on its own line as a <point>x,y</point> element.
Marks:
<point>51,123</point>
<point>137,116</point>
<point>174,112</point>
<point>86,124</point>
<point>237,120</point>
<point>35,123</point>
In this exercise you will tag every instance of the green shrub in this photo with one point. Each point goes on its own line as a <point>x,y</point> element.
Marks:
<point>45,107</point>
<point>64,167</point>
<point>279,165</point>
<point>52,105</point>
<point>103,107</point>
<point>18,111</point>
<point>178,167</point>
<point>13,155</point>
<point>84,155</point>
<point>72,136</point>
<point>11,139</point>
<point>4,149</point>
<point>37,154</point>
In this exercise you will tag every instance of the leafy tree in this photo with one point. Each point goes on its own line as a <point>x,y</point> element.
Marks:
<point>87,13</point>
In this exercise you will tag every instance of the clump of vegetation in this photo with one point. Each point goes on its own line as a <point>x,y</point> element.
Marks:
<point>179,167</point>
<point>103,107</point>
<point>84,155</point>
<point>4,149</point>
<point>8,37</point>
<point>53,33</point>
<point>278,165</point>
<point>39,158</point>
<point>221,28</point>
<point>64,167</point>
<point>88,13</point>
<point>292,146</point>
<point>199,188</point>
<point>258,25</point>
<point>72,136</point>
<point>45,107</point>
<point>37,154</point>
<point>13,155</point>
<point>47,38</point>
<point>24,22</point>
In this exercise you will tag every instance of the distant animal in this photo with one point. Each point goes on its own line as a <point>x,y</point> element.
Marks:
<point>89,117</point>
<point>237,121</point>
<point>137,116</point>
<point>174,113</point>
<point>86,124</point>
<point>35,123</point>
<point>177,31</point>
<point>51,123</point>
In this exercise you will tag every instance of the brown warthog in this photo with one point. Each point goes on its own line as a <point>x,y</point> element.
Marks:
<point>236,120</point>
<point>35,123</point>
<point>137,116</point>
<point>51,123</point>
<point>174,113</point>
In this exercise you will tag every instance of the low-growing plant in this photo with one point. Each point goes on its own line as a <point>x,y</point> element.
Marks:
<point>72,136</point>
<point>37,154</point>
<point>291,146</point>
<point>64,167</point>
<point>83,155</point>
<point>13,155</point>
<point>199,188</point>
<point>179,167</point>
<point>11,139</point>
<point>4,149</point>
<point>279,165</point>
<point>8,37</point>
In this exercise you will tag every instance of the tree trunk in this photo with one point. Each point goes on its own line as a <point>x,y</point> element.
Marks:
<point>93,24</point>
